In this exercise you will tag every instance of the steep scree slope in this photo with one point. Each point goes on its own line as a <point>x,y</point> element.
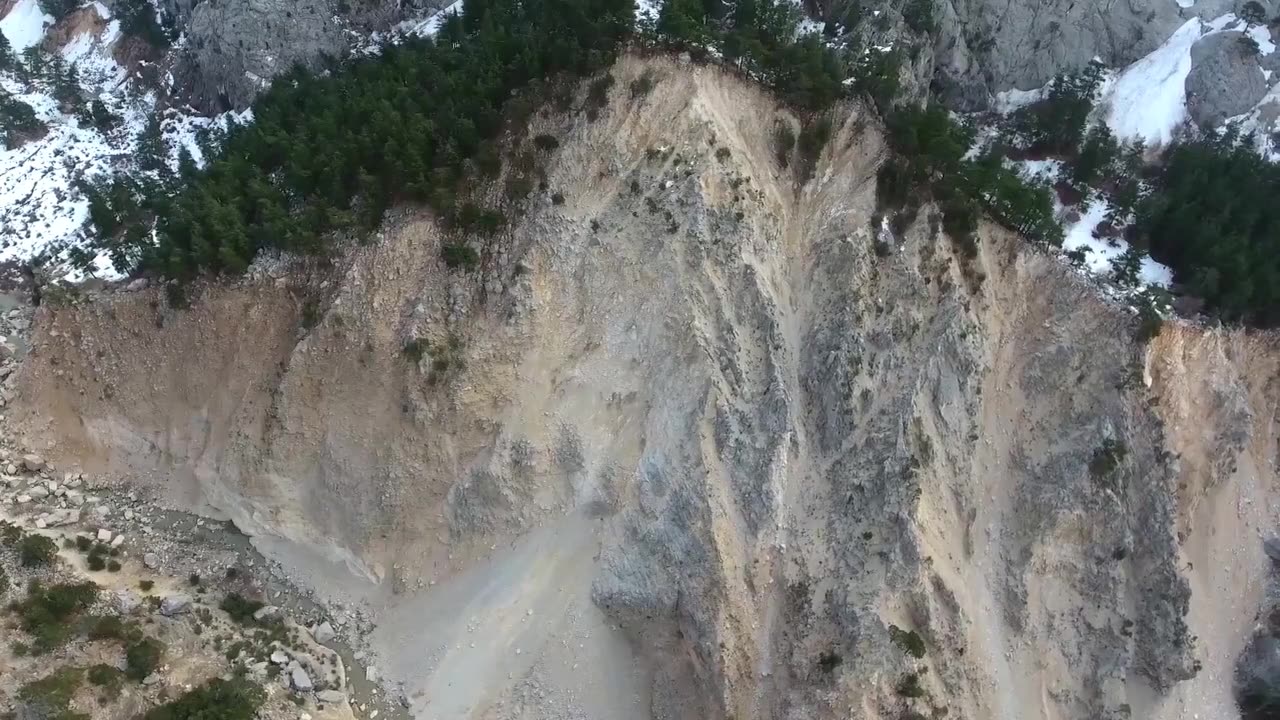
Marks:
<point>692,442</point>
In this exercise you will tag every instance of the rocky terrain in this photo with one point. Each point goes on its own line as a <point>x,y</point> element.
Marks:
<point>161,578</point>
<point>701,438</point>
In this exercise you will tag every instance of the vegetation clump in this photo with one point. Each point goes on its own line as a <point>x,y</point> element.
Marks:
<point>142,657</point>
<point>50,697</point>
<point>909,640</point>
<point>240,608</point>
<point>37,551</point>
<point>47,614</point>
<point>1107,458</point>
<point>217,699</point>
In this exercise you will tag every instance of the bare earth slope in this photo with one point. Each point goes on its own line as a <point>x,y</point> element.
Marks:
<point>689,446</point>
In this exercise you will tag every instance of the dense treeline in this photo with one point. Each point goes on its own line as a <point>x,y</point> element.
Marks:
<point>1212,216</point>
<point>420,122</point>
<point>760,36</point>
<point>931,151</point>
<point>330,153</point>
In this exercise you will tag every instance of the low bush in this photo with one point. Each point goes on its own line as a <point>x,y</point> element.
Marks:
<point>644,84</point>
<point>240,608</point>
<point>50,696</point>
<point>106,627</point>
<point>909,640</point>
<point>142,657</point>
<point>107,678</point>
<point>1107,458</point>
<point>217,699</point>
<point>459,256</point>
<point>47,614</point>
<point>37,550</point>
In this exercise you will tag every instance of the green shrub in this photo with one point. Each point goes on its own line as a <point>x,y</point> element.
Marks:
<point>97,562</point>
<point>83,543</point>
<point>10,534</point>
<point>415,349</point>
<point>47,613</point>
<point>458,255</point>
<point>644,84</point>
<point>240,608</point>
<point>50,697</point>
<point>106,627</point>
<point>910,686</point>
<point>814,136</point>
<point>107,678</point>
<point>784,142</point>
<point>217,699</point>
<point>909,640</point>
<point>146,585</point>
<point>37,550</point>
<point>598,91</point>
<point>142,657</point>
<point>545,142</point>
<point>1107,458</point>
<point>113,566</point>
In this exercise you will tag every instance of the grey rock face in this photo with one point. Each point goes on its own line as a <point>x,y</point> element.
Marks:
<point>986,46</point>
<point>237,46</point>
<point>1225,78</point>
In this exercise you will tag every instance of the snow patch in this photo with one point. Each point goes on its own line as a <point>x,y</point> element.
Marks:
<point>1011,100</point>
<point>1262,36</point>
<point>431,25</point>
<point>24,25</point>
<point>1101,251</point>
<point>1047,171</point>
<point>648,10</point>
<point>1148,101</point>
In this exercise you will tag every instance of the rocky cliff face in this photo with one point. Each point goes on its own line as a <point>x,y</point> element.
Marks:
<point>237,46</point>
<point>703,440</point>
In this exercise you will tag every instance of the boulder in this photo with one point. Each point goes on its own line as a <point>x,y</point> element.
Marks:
<point>300,680</point>
<point>1225,80</point>
<point>267,613</point>
<point>58,518</point>
<point>279,657</point>
<point>1271,546</point>
<point>39,492</point>
<point>330,696</point>
<point>104,535</point>
<point>175,605</point>
<point>34,463</point>
<point>126,601</point>
<point>151,560</point>
<point>323,632</point>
